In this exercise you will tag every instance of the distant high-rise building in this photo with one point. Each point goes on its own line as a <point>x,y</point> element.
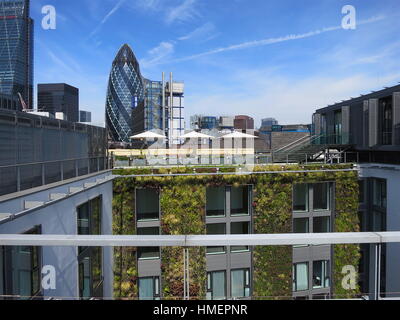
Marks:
<point>59,97</point>
<point>269,122</point>
<point>125,93</point>
<point>155,114</point>
<point>85,116</point>
<point>226,123</point>
<point>16,50</point>
<point>198,122</point>
<point>244,123</point>
<point>135,104</point>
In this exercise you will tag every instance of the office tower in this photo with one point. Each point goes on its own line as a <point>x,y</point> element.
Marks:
<point>226,123</point>
<point>244,123</point>
<point>59,97</point>
<point>125,93</point>
<point>16,50</point>
<point>85,116</point>
<point>199,122</point>
<point>269,122</point>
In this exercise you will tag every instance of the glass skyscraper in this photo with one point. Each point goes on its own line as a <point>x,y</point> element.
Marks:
<point>125,93</point>
<point>16,49</point>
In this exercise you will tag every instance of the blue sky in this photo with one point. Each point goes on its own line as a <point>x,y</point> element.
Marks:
<point>275,58</point>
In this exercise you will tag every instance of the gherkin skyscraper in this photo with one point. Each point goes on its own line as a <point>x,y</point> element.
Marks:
<point>125,93</point>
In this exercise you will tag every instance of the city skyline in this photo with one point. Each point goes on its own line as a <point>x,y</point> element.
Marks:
<point>250,60</point>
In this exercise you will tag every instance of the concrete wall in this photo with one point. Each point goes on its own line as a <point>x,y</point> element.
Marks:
<point>60,217</point>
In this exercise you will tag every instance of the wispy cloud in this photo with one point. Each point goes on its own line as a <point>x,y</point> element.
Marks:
<point>158,54</point>
<point>184,12</point>
<point>107,16</point>
<point>205,32</point>
<point>270,41</point>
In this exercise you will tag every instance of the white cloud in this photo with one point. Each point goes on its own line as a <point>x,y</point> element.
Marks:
<point>184,12</point>
<point>204,32</point>
<point>107,16</point>
<point>158,54</point>
<point>269,41</point>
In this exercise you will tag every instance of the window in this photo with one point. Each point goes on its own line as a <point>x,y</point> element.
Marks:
<point>90,259</point>
<point>387,120</point>
<point>321,224</point>
<point>239,201</point>
<point>301,225</point>
<point>214,229</point>
<point>321,274</point>
<point>216,285</point>
<point>147,204</point>
<point>361,193</point>
<point>240,283</point>
<point>300,197</point>
<point>215,202</point>
<point>300,276</point>
<point>148,253</point>
<point>378,222</point>
<point>26,269</point>
<point>240,228</point>
<point>379,193</point>
<point>321,196</point>
<point>149,288</point>
<point>84,278</point>
<point>338,127</point>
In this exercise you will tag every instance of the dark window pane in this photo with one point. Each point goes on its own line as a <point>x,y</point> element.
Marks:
<point>96,216</point>
<point>83,219</point>
<point>321,224</point>
<point>148,252</point>
<point>361,185</point>
<point>97,271</point>
<point>321,197</point>
<point>215,229</point>
<point>240,200</point>
<point>240,228</point>
<point>300,197</point>
<point>379,223</point>
<point>147,204</point>
<point>301,225</point>
<point>320,274</point>
<point>84,278</point>
<point>215,202</point>
<point>379,192</point>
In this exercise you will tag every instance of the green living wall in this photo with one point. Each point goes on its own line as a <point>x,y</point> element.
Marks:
<point>182,201</point>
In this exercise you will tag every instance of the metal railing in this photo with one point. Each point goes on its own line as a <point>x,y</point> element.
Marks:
<point>23,176</point>
<point>186,241</point>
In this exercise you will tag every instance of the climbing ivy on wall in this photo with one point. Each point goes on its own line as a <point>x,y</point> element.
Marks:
<point>182,201</point>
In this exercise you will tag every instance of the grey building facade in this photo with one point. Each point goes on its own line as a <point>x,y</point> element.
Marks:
<point>54,180</point>
<point>59,97</point>
<point>85,116</point>
<point>369,129</point>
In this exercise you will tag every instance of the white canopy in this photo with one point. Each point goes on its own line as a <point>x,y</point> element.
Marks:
<point>148,135</point>
<point>238,135</point>
<point>196,135</point>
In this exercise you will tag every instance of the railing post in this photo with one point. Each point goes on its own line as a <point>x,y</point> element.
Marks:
<point>378,263</point>
<point>62,170</point>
